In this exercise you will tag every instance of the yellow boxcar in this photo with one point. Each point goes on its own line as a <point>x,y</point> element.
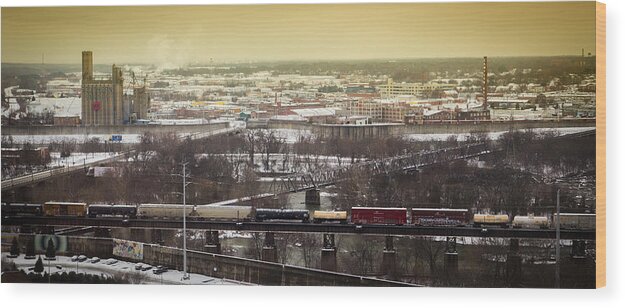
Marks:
<point>331,216</point>
<point>488,219</point>
<point>53,208</point>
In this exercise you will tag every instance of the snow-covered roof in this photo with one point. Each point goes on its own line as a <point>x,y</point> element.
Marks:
<point>315,112</point>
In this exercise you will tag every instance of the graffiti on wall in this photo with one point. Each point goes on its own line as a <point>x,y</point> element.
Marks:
<point>128,249</point>
<point>42,241</point>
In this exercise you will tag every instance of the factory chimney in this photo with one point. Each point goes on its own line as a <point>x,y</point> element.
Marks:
<point>485,88</point>
<point>87,66</point>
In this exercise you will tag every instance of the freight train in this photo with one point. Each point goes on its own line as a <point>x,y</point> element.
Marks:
<point>427,217</point>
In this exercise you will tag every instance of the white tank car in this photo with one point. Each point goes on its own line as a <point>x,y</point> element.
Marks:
<point>223,212</point>
<point>163,211</point>
<point>530,222</point>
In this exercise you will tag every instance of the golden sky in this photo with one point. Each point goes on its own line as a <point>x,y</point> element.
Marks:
<point>183,34</point>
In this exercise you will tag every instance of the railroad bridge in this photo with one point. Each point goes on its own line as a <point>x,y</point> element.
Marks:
<point>403,163</point>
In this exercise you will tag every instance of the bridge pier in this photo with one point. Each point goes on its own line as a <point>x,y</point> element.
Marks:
<point>269,252</point>
<point>451,260</point>
<point>328,253</point>
<point>578,250</point>
<point>45,230</point>
<point>156,236</point>
<point>514,272</point>
<point>137,235</point>
<point>30,249</point>
<point>389,259</point>
<point>212,242</point>
<point>313,197</point>
<point>26,229</point>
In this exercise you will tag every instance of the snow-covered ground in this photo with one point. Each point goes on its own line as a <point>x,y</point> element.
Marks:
<point>56,161</point>
<point>494,135</point>
<point>78,158</point>
<point>290,136</point>
<point>46,139</point>
<point>126,138</point>
<point>121,267</point>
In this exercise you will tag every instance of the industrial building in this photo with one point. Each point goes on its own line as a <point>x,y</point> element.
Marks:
<point>392,89</point>
<point>103,99</point>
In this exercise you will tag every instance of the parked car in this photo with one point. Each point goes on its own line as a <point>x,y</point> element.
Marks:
<point>146,267</point>
<point>138,266</point>
<point>110,261</point>
<point>159,270</point>
<point>95,260</point>
<point>82,258</point>
<point>74,258</point>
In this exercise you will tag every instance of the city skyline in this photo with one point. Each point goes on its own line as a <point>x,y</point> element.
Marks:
<point>178,35</point>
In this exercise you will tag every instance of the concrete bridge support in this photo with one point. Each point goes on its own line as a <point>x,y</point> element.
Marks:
<point>514,273</point>
<point>29,253</point>
<point>156,236</point>
<point>26,229</point>
<point>578,250</point>
<point>102,232</point>
<point>137,235</point>
<point>389,259</point>
<point>451,260</point>
<point>45,230</point>
<point>313,197</point>
<point>212,242</point>
<point>328,253</point>
<point>269,252</point>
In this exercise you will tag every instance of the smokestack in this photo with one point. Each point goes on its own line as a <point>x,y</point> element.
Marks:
<point>87,65</point>
<point>485,88</point>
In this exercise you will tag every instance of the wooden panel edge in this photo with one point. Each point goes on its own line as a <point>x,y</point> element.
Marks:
<point>600,35</point>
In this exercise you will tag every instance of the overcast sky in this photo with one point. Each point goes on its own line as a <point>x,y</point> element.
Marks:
<point>190,34</point>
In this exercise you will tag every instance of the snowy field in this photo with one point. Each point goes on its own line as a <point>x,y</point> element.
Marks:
<point>494,135</point>
<point>120,267</point>
<point>290,136</point>
<point>126,138</point>
<point>56,161</point>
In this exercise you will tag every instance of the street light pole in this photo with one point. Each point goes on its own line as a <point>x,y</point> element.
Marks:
<point>185,275</point>
<point>558,240</point>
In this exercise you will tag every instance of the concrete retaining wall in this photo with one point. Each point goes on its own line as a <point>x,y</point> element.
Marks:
<point>214,265</point>
<point>109,130</point>
<point>491,127</point>
<point>356,132</point>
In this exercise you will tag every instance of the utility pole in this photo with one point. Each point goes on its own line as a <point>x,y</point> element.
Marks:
<point>185,275</point>
<point>558,240</point>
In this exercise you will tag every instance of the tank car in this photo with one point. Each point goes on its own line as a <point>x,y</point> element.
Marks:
<point>123,210</point>
<point>281,214</point>
<point>501,220</point>
<point>530,222</point>
<point>330,216</point>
